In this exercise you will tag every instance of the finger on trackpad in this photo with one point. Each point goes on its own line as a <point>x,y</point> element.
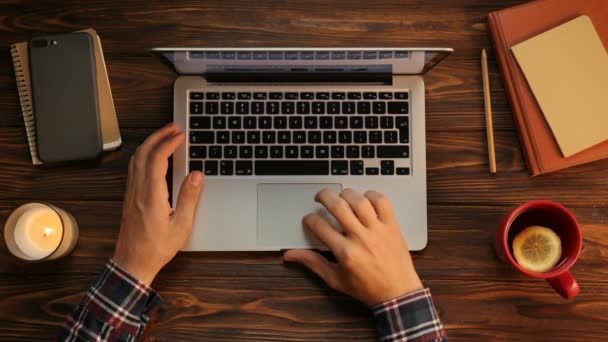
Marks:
<point>280,211</point>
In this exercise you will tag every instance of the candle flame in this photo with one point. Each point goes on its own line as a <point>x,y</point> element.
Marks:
<point>48,231</point>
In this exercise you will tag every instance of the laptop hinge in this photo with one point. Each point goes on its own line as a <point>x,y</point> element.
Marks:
<point>384,78</point>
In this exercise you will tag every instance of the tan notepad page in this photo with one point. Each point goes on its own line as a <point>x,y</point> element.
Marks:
<point>567,70</point>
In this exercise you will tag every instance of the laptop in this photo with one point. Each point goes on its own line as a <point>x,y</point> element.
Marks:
<point>271,127</point>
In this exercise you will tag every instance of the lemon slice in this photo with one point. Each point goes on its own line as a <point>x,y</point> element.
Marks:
<point>537,249</point>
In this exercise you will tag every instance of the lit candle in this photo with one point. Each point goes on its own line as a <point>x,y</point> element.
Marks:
<point>38,232</point>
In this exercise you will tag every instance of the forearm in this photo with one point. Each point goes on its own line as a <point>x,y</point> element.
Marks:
<point>409,318</point>
<point>116,307</point>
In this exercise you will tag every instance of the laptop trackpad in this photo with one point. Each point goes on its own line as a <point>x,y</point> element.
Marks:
<point>280,211</point>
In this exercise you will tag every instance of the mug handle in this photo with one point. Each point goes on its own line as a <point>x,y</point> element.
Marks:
<point>565,285</point>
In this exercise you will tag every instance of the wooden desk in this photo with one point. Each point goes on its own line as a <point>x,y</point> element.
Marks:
<point>253,296</point>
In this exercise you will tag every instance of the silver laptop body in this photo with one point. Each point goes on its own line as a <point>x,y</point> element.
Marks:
<point>258,183</point>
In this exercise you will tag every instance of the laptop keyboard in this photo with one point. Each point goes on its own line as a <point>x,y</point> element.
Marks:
<point>285,133</point>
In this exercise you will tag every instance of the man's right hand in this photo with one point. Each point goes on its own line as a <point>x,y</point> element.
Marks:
<point>374,264</point>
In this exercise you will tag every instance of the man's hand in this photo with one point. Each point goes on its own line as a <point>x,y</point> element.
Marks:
<point>374,264</point>
<point>151,233</point>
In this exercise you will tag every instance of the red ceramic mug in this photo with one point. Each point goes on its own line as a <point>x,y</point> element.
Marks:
<point>551,215</point>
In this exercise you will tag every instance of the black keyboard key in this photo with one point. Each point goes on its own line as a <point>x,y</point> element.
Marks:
<point>337,151</point>
<point>253,137</point>
<point>292,167</point>
<point>333,107</point>
<point>245,152</point>
<point>226,168</point>
<point>288,107</point>
<point>348,108</point>
<point>307,151</point>
<point>261,152</point>
<point>244,96</point>
<point>215,152</point>
<point>307,96</point>
<point>368,151</point>
<point>345,137</point>
<point>276,151</point>
<point>259,96</point>
<point>338,96</point>
<point>390,137</point>
<point>228,96</point>
<point>284,137</point>
<point>364,107</point>
<point>211,167</point>
<point>276,96</point>
<point>370,96</point>
<point>375,137</point>
<point>197,137</point>
<point>401,96</point>
<point>386,122</point>
<point>265,122</point>
<point>339,167</point>
<point>299,137</point>
<point>354,96</point>
<point>219,122</point>
<point>372,171</point>
<point>291,151</point>
<point>212,107</point>
<point>249,122</point>
<point>352,151</point>
<point>403,171</point>
<point>213,96</point>
<point>318,107</point>
<point>310,122</point>
<point>238,137</point>
<point>269,137</point>
<point>371,122</point>
<point>280,122</point>
<point>387,167</point>
<point>196,107</point>
<point>257,108</point>
<point>356,167</point>
<point>227,107</point>
<point>244,168</point>
<point>360,137</point>
<point>401,107</point>
<point>234,122</point>
<point>386,96</point>
<point>393,151</point>
<point>303,107</point>
<point>295,122</point>
<point>341,122</point>
<point>230,152</point>
<point>314,137</point>
<point>242,107</point>
<point>291,96</point>
<point>196,165</point>
<point>197,96</point>
<point>272,108</point>
<point>356,122</point>
<point>402,123</point>
<point>379,107</point>
<point>326,122</point>
<point>329,137</point>
<point>198,152</point>
<point>222,137</point>
<point>200,122</point>
<point>323,96</point>
<point>322,151</point>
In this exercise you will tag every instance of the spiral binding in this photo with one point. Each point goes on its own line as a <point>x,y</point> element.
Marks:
<point>25,98</point>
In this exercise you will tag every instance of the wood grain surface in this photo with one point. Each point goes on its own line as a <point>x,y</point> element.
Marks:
<point>254,296</point>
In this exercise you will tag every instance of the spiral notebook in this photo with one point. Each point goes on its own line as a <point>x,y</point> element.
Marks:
<point>109,123</point>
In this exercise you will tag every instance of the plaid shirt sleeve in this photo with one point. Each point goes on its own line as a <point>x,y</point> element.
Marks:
<point>411,317</point>
<point>116,308</point>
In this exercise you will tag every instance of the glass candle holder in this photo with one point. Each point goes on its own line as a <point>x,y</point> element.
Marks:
<point>39,231</point>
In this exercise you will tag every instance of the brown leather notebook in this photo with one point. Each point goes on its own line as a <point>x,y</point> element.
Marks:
<point>515,25</point>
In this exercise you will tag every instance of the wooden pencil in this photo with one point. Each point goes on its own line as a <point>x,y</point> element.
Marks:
<point>488,108</point>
